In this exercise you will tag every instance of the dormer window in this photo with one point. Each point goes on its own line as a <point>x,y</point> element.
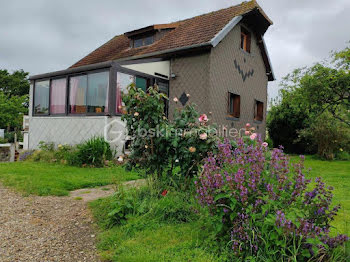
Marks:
<point>143,41</point>
<point>245,39</point>
<point>150,34</point>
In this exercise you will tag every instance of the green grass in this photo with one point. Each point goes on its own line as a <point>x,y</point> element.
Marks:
<point>337,175</point>
<point>44,179</point>
<point>151,237</point>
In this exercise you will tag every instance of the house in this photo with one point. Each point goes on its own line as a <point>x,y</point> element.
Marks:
<point>219,58</point>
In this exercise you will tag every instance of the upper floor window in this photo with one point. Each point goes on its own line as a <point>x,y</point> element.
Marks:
<point>245,39</point>
<point>259,111</point>
<point>234,105</point>
<point>143,41</point>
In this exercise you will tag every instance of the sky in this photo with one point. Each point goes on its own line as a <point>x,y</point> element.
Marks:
<point>41,36</point>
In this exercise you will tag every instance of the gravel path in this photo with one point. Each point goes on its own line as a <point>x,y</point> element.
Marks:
<point>45,229</point>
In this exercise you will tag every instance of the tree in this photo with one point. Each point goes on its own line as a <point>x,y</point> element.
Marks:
<point>15,84</point>
<point>285,118</point>
<point>11,111</point>
<point>308,95</point>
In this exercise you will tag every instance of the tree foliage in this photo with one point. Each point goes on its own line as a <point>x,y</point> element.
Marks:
<point>15,84</point>
<point>12,110</point>
<point>308,94</point>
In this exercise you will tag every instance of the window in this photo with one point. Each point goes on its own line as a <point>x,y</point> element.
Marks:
<point>77,94</point>
<point>138,42</point>
<point>245,39</point>
<point>89,93</point>
<point>58,96</point>
<point>97,94</point>
<point>259,111</point>
<point>234,105</point>
<point>164,88</point>
<point>123,81</point>
<point>41,97</point>
<point>141,83</point>
<point>147,40</point>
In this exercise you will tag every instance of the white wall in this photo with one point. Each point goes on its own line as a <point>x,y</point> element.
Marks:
<point>76,129</point>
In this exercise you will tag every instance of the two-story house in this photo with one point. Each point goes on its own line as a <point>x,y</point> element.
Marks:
<point>219,58</point>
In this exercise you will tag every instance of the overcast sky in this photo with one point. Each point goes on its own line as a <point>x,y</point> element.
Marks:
<point>40,36</point>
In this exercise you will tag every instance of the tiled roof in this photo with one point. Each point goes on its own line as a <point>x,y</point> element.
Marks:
<point>196,30</point>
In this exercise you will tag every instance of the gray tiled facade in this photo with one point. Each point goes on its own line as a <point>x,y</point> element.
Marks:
<point>210,76</point>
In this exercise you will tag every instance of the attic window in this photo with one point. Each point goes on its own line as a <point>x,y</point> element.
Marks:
<point>143,41</point>
<point>245,39</point>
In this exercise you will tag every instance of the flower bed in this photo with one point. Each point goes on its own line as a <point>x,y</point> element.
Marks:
<point>262,205</point>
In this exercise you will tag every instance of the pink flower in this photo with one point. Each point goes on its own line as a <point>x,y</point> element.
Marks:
<point>203,118</point>
<point>265,144</point>
<point>203,136</point>
<point>247,133</point>
<point>247,125</point>
<point>253,136</point>
<point>175,100</point>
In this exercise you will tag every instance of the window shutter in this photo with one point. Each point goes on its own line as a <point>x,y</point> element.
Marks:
<point>260,111</point>
<point>237,106</point>
<point>248,44</point>
<point>228,103</point>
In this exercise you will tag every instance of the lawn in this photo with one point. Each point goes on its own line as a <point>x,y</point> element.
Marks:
<point>337,175</point>
<point>54,179</point>
<point>142,239</point>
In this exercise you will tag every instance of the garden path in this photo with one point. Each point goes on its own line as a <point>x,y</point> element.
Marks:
<point>90,194</point>
<point>49,228</point>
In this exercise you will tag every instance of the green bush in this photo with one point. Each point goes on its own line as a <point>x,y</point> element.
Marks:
<point>42,156</point>
<point>3,140</point>
<point>285,119</point>
<point>47,146</point>
<point>94,152</point>
<point>10,136</point>
<point>342,155</point>
<point>329,135</point>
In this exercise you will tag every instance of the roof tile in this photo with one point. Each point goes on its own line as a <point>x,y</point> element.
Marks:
<point>196,30</point>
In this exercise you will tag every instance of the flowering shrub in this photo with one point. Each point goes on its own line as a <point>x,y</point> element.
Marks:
<point>160,146</point>
<point>25,155</point>
<point>262,205</point>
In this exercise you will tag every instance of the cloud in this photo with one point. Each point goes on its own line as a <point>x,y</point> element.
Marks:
<point>42,36</point>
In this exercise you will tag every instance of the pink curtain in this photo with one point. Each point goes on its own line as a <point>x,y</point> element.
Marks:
<point>58,96</point>
<point>119,100</point>
<point>107,96</point>
<point>74,82</point>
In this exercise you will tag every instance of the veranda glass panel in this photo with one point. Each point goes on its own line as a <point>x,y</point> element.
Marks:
<point>58,96</point>
<point>97,95</point>
<point>77,94</point>
<point>123,81</point>
<point>41,97</point>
